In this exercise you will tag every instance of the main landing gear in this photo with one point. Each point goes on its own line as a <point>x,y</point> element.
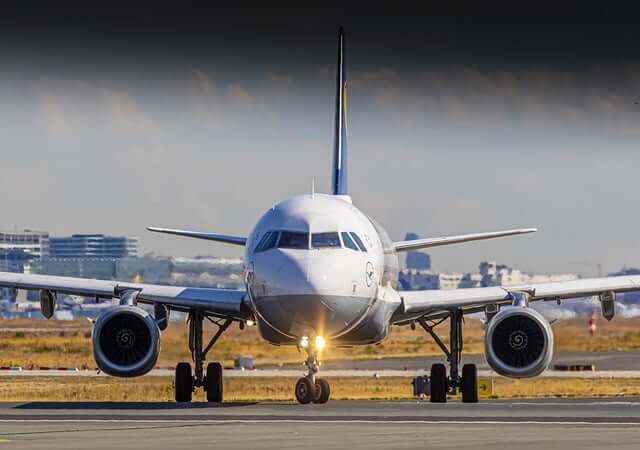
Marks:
<point>466,382</point>
<point>211,381</point>
<point>311,389</point>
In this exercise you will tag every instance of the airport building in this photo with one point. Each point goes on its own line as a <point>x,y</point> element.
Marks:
<point>19,250</point>
<point>92,246</point>
<point>490,274</point>
<point>27,244</point>
<point>86,255</point>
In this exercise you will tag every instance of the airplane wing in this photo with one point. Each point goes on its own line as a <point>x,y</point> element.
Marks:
<point>417,304</point>
<point>228,303</point>
<point>403,246</point>
<point>226,238</point>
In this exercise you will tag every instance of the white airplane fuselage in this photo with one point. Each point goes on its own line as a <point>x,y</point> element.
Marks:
<point>305,283</point>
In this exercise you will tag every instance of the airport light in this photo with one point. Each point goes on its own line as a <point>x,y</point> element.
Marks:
<point>320,343</point>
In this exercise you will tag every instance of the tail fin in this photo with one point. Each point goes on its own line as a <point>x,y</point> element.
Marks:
<point>339,181</point>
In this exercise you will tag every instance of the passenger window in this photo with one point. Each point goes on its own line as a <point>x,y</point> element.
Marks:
<point>358,241</point>
<point>291,239</point>
<point>324,240</point>
<point>267,242</point>
<point>348,242</point>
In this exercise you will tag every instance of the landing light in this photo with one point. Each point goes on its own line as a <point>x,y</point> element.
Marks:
<point>250,323</point>
<point>304,342</point>
<point>320,343</point>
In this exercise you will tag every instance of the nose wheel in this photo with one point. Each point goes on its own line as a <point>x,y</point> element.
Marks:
<point>310,389</point>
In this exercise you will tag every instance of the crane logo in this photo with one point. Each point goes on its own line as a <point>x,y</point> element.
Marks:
<point>369,273</point>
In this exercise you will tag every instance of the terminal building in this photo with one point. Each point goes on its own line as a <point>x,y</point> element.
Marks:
<point>92,246</point>
<point>87,255</point>
<point>19,250</point>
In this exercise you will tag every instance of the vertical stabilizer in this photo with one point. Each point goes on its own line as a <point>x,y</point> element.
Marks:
<point>339,176</point>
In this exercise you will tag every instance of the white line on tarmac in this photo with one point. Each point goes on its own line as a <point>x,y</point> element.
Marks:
<point>292,373</point>
<point>326,421</point>
<point>521,403</point>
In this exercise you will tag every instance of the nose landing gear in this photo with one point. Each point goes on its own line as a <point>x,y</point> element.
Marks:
<point>311,389</point>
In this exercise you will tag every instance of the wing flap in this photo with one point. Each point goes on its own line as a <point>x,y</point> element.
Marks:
<point>415,244</point>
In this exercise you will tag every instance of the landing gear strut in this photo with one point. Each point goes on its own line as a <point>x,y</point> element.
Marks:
<point>310,388</point>
<point>185,381</point>
<point>467,382</point>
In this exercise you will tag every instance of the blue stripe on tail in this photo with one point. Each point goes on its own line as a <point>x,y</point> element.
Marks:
<point>339,180</point>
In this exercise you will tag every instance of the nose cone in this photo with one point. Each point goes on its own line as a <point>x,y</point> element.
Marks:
<point>302,293</point>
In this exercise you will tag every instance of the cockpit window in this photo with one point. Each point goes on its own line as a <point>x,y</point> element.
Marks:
<point>358,241</point>
<point>267,242</point>
<point>292,239</point>
<point>348,242</point>
<point>324,240</point>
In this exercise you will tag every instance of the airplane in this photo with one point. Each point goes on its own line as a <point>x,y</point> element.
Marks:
<point>320,272</point>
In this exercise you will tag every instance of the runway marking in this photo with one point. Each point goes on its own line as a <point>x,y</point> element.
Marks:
<point>525,403</point>
<point>327,421</point>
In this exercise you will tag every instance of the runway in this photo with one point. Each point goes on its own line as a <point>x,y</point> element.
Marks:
<point>584,424</point>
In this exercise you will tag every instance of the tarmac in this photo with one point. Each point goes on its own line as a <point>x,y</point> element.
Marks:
<point>549,424</point>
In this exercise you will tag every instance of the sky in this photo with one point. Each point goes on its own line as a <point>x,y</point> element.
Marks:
<point>468,119</point>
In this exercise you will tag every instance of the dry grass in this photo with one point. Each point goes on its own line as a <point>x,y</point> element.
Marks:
<point>68,344</point>
<point>281,389</point>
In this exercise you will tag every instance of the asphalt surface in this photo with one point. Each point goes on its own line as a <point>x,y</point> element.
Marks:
<point>623,360</point>
<point>551,424</point>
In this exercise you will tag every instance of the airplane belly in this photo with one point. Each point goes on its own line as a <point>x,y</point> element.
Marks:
<point>294,316</point>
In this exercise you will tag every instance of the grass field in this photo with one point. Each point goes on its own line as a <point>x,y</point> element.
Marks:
<point>68,344</point>
<point>281,389</point>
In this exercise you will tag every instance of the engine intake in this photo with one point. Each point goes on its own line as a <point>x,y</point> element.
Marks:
<point>126,341</point>
<point>519,343</point>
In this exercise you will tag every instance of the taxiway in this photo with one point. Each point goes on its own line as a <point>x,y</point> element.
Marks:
<point>584,424</point>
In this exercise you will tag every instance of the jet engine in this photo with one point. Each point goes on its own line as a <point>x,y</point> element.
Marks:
<point>126,341</point>
<point>519,342</point>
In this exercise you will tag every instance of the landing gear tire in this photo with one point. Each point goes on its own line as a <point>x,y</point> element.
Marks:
<point>305,391</point>
<point>469,383</point>
<point>438,384</point>
<point>183,382</point>
<point>322,391</point>
<point>213,382</point>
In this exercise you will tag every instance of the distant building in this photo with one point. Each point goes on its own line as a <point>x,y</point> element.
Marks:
<point>100,268</point>
<point>18,251</point>
<point>414,259</point>
<point>30,244</point>
<point>490,274</point>
<point>92,246</point>
<point>419,280</point>
<point>493,274</point>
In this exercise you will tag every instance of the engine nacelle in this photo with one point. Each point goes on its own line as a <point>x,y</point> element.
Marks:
<point>519,342</point>
<point>126,341</point>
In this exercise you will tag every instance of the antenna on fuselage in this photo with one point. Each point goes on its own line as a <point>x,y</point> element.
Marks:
<point>339,175</point>
<point>313,186</point>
